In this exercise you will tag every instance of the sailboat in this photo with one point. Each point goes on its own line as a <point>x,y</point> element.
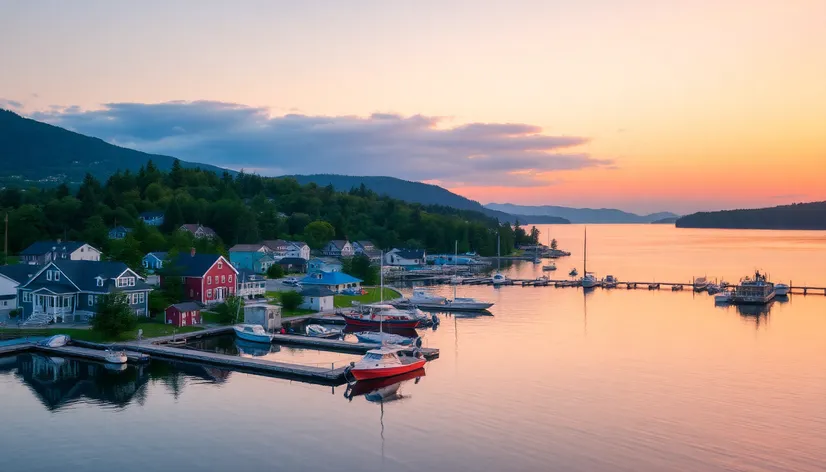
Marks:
<point>589,280</point>
<point>498,278</point>
<point>373,316</point>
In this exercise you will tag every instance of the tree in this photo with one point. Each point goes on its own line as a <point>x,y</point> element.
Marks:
<point>361,267</point>
<point>114,316</point>
<point>275,271</point>
<point>229,311</point>
<point>172,218</point>
<point>554,244</point>
<point>318,233</point>
<point>291,300</point>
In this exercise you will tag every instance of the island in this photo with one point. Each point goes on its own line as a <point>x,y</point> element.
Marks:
<point>801,216</point>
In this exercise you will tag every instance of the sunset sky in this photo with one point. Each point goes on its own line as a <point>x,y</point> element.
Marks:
<point>642,105</point>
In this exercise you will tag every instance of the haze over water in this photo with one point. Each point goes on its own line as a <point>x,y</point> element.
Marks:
<point>621,380</point>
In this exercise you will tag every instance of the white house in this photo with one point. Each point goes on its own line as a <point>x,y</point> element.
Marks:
<point>250,284</point>
<point>405,257</point>
<point>11,277</point>
<point>43,252</point>
<point>338,248</point>
<point>317,299</point>
<point>298,249</point>
<point>281,249</point>
<point>199,231</point>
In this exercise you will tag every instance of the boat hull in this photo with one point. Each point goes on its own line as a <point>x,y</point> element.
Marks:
<point>351,321</point>
<point>256,338</point>
<point>380,373</point>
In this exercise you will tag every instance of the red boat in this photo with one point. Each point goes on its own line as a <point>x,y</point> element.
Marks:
<point>387,361</point>
<point>378,315</point>
<point>365,387</point>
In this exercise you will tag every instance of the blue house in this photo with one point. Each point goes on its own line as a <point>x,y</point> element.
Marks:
<point>152,218</point>
<point>334,281</point>
<point>65,291</point>
<point>154,261</point>
<point>324,264</point>
<point>119,232</point>
<point>252,257</point>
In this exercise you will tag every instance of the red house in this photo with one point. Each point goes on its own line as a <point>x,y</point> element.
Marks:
<point>207,278</point>
<point>183,314</point>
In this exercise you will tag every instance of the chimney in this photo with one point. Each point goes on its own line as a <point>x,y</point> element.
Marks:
<point>192,252</point>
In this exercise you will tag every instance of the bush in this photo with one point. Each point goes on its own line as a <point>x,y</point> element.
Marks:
<point>229,311</point>
<point>15,313</point>
<point>290,300</point>
<point>275,271</point>
<point>114,316</point>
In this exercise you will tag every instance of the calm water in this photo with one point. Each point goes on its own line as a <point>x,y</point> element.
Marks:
<point>555,380</point>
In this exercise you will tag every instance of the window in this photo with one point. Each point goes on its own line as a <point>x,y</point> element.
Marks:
<point>57,275</point>
<point>209,280</point>
<point>27,296</point>
<point>91,300</point>
<point>209,293</point>
<point>230,277</point>
<point>220,264</point>
<point>223,279</point>
<point>141,297</point>
<point>100,281</point>
<point>48,275</point>
<point>130,281</point>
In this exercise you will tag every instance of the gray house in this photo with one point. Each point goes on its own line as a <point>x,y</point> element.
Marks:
<point>66,291</point>
<point>43,252</point>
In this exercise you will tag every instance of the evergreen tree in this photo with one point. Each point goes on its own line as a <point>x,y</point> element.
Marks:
<point>173,218</point>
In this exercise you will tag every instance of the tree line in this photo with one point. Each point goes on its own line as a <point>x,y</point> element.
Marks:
<point>244,208</point>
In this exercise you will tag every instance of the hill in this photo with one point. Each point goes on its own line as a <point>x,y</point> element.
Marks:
<point>37,153</point>
<point>579,215</point>
<point>796,216</point>
<point>417,192</point>
<point>666,221</point>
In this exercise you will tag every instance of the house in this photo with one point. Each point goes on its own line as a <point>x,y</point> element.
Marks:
<point>207,278</point>
<point>293,264</point>
<point>250,284</point>
<point>317,299</point>
<point>183,314</point>
<point>43,252</point>
<point>334,281</point>
<point>11,277</point>
<point>264,314</point>
<point>152,218</point>
<point>153,261</point>
<point>281,248</point>
<point>254,257</point>
<point>405,257</point>
<point>66,290</point>
<point>119,232</point>
<point>324,264</point>
<point>338,248</point>
<point>199,231</point>
<point>368,249</point>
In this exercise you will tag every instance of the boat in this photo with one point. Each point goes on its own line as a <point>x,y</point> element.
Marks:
<point>376,315</point>
<point>385,387</point>
<point>387,338</point>
<point>781,290</point>
<point>723,298</point>
<point>609,281</point>
<point>423,296</point>
<point>115,357</point>
<point>58,340</point>
<point>676,288</point>
<point>319,331</point>
<point>754,291</point>
<point>255,333</point>
<point>550,267</point>
<point>713,288</point>
<point>589,280</point>
<point>498,279</point>
<point>573,272</point>
<point>700,284</point>
<point>387,361</point>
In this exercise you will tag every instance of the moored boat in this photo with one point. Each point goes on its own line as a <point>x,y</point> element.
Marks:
<point>589,280</point>
<point>609,281</point>
<point>499,279</point>
<point>549,267</point>
<point>723,298</point>
<point>573,272</point>
<point>754,291</point>
<point>387,338</point>
<point>781,290</point>
<point>319,331</point>
<point>115,357</point>
<point>700,284</point>
<point>387,361</point>
<point>58,340</point>
<point>376,315</point>
<point>255,333</point>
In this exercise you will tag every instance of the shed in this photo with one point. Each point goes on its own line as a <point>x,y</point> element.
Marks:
<point>266,315</point>
<point>317,298</point>
<point>183,314</point>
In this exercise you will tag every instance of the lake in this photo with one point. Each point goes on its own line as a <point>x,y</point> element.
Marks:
<point>620,380</point>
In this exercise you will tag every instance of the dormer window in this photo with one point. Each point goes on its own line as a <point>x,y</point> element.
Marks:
<point>56,275</point>
<point>99,281</point>
<point>48,275</point>
<point>220,264</point>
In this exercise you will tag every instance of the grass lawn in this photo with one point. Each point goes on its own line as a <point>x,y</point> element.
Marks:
<point>276,297</point>
<point>151,329</point>
<point>372,296</point>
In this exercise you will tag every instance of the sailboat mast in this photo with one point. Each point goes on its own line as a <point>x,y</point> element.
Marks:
<point>585,255</point>
<point>381,293</point>
<point>455,267</point>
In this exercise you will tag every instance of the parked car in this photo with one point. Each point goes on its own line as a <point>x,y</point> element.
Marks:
<point>291,281</point>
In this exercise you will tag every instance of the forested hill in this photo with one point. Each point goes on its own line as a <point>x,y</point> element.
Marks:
<point>797,216</point>
<point>33,151</point>
<point>580,215</point>
<point>416,192</point>
<point>241,209</point>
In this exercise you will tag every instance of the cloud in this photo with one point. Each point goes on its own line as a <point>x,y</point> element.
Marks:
<point>412,147</point>
<point>10,104</point>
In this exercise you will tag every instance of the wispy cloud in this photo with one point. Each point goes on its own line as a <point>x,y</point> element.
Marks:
<point>10,104</point>
<point>413,147</point>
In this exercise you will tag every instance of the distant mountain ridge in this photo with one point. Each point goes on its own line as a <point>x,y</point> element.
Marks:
<point>33,151</point>
<point>417,192</point>
<point>580,215</point>
<point>808,216</point>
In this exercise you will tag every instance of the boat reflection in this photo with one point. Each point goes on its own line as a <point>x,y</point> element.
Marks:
<point>254,349</point>
<point>382,390</point>
<point>757,313</point>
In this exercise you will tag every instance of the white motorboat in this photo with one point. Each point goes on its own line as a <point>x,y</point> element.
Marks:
<point>498,279</point>
<point>423,296</point>
<point>115,357</point>
<point>781,290</point>
<point>609,281</point>
<point>700,284</point>
<point>589,280</point>
<point>573,272</point>
<point>58,340</point>
<point>255,333</point>
<point>319,331</point>
<point>467,304</point>
<point>387,338</point>
<point>550,267</point>
<point>723,297</point>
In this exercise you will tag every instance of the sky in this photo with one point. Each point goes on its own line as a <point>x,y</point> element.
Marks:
<point>641,105</point>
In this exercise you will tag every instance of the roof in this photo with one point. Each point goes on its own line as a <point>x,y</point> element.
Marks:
<point>410,253</point>
<point>157,255</point>
<point>83,274</point>
<point>195,265</point>
<point>44,247</point>
<point>194,228</point>
<point>275,243</point>
<point>20,273</point>
<point>317,291</point>
<point>247,247</point>
<point>326,260</point>
<point>151,214</point>
<point>300,244</point>
<point>329,278</point>
<point>292,261</point>
<point>121,229</point>
<point>338,243</point>
<point>186,306</point>
<point>245,275</point>
<point>366,244</point>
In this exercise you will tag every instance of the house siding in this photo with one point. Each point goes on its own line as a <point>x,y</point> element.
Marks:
<point>229,287</point>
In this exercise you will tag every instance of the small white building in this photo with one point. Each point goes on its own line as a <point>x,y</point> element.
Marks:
<point>11,277</point>
<point>406,257</point>
<point>264,314</point>
<point>317,299</point>
<point>43,252</point>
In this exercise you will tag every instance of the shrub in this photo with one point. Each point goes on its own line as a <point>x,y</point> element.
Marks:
<point>275,271</point>
<point>229,311</point>
<point>290,300</point>
<point>114,316</point>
